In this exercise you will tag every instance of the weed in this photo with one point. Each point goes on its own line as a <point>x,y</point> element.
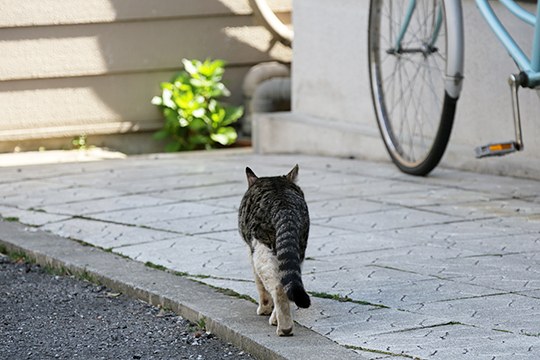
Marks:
<point>155,266</point>
<point>382,352</point>
<point>345,299</point>
<point>194,118</point>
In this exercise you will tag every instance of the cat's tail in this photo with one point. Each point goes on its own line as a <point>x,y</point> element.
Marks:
<point>289,262</point>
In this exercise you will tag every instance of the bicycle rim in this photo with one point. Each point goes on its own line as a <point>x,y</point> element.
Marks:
<point>414,113</point>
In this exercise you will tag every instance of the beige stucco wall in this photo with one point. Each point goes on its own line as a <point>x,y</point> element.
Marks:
<point>331,91</point>
<point>72,67</point>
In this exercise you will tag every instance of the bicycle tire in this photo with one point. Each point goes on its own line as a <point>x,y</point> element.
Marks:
<point>415,118</point>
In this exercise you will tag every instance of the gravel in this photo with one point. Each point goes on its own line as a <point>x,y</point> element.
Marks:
<point>47,316</point>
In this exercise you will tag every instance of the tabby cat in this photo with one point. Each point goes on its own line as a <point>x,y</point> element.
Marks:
<point>274,221</point>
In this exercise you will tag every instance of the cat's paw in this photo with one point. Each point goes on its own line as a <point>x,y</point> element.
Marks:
<point>273,318</point>
<point>284,331</point>
<point>264,309</point>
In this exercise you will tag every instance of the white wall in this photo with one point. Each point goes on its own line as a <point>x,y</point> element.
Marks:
<point>331,83</point>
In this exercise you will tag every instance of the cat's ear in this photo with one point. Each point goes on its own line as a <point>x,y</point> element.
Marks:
<point>293,174</point>
<point>251,177</point>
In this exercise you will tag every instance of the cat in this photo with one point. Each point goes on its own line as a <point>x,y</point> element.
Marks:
<point>273,219</point>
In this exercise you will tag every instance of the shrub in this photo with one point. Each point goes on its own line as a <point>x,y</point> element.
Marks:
<point>194,118</point>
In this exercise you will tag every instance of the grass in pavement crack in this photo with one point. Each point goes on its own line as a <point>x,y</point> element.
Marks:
<point>450,323</point>
<point>381,352</point>
<point>345,299</point>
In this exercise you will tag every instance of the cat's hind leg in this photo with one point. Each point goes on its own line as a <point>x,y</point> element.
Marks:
<point>266,267</point>
<point>266,304</point>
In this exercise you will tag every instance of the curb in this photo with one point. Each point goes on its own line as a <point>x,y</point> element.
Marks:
<point>231,319</point>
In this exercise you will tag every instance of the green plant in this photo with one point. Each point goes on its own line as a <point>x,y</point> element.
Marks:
<point>201,324</point>
<point>80,142</point>
<point>194,118</point>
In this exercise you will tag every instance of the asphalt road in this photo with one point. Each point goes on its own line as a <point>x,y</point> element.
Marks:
<point>47,316</point>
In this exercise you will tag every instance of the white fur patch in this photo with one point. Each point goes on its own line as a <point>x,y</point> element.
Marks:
<point>265,265</point>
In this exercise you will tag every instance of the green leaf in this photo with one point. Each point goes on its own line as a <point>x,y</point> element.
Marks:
<point>171,116</point>
<point>232,114</point>
<point>156,100</point>
<point>199,113</point>
<point>198,125</point>
<point>218,115</point>
<point>172,147</point>
<point>223,90</point>
<point>225,136</point>
<point>161,134</point>
<point>190,66</point>
<point>183,122</point>
<point>166,99</point>
<point>166,85</point>
<point>199,139</point>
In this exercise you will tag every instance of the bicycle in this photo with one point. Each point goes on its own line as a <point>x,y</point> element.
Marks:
<point>416,58</point>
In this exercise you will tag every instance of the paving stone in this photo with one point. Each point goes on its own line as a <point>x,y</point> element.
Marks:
<point>351,243</point>
<point>160,213</point>
<point>373,187</point>
<point>343,207</point>
<point>316,231</point>
<point>30,217</point>
<point>123,202</point>
<point>16,187</point>
<point>385,220</point>
<point>195,255</point>
<point>511,272</point>
<point>454,341</point>
<point>221,221</point>
<point>490,184</point>
<point>446,233</point>
<point>495,245</point>
<point>203,192</point>
<point>105,235</point>
<point>491,208</point>
<point>433,196</point>
<point>39,197</point>
<point>400,295</point>
<point>504,312</point>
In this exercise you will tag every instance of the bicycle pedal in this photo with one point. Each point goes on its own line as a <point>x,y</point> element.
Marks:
<point>496,149</point>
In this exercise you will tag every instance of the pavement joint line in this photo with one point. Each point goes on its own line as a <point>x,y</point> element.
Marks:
<point>231,319</point>
<point>448,323</point>
<point>449,222</point>
<point>382,352</point>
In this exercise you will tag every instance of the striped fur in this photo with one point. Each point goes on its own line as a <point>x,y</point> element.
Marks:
<point>274,214</point>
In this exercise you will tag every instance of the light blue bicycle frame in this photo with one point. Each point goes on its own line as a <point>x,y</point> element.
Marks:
<point>529,67</point>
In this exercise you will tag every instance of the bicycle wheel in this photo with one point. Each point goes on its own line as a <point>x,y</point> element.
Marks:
<point>414,112</point>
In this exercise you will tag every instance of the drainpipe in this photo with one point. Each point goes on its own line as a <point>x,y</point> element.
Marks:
<point>272,95</point>
<point>266,88</point>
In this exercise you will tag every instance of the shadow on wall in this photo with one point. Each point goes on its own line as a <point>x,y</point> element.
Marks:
<point>93,67</point>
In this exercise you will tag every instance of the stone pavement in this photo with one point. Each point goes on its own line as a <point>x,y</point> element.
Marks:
<point>443,267</point>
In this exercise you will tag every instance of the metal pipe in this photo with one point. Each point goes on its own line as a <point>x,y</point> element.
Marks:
<point>520,12</point>
<point>511,46</point>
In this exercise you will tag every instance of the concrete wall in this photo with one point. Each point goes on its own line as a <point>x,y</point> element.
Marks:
<point>331,92</point>
<point>73,67</point>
